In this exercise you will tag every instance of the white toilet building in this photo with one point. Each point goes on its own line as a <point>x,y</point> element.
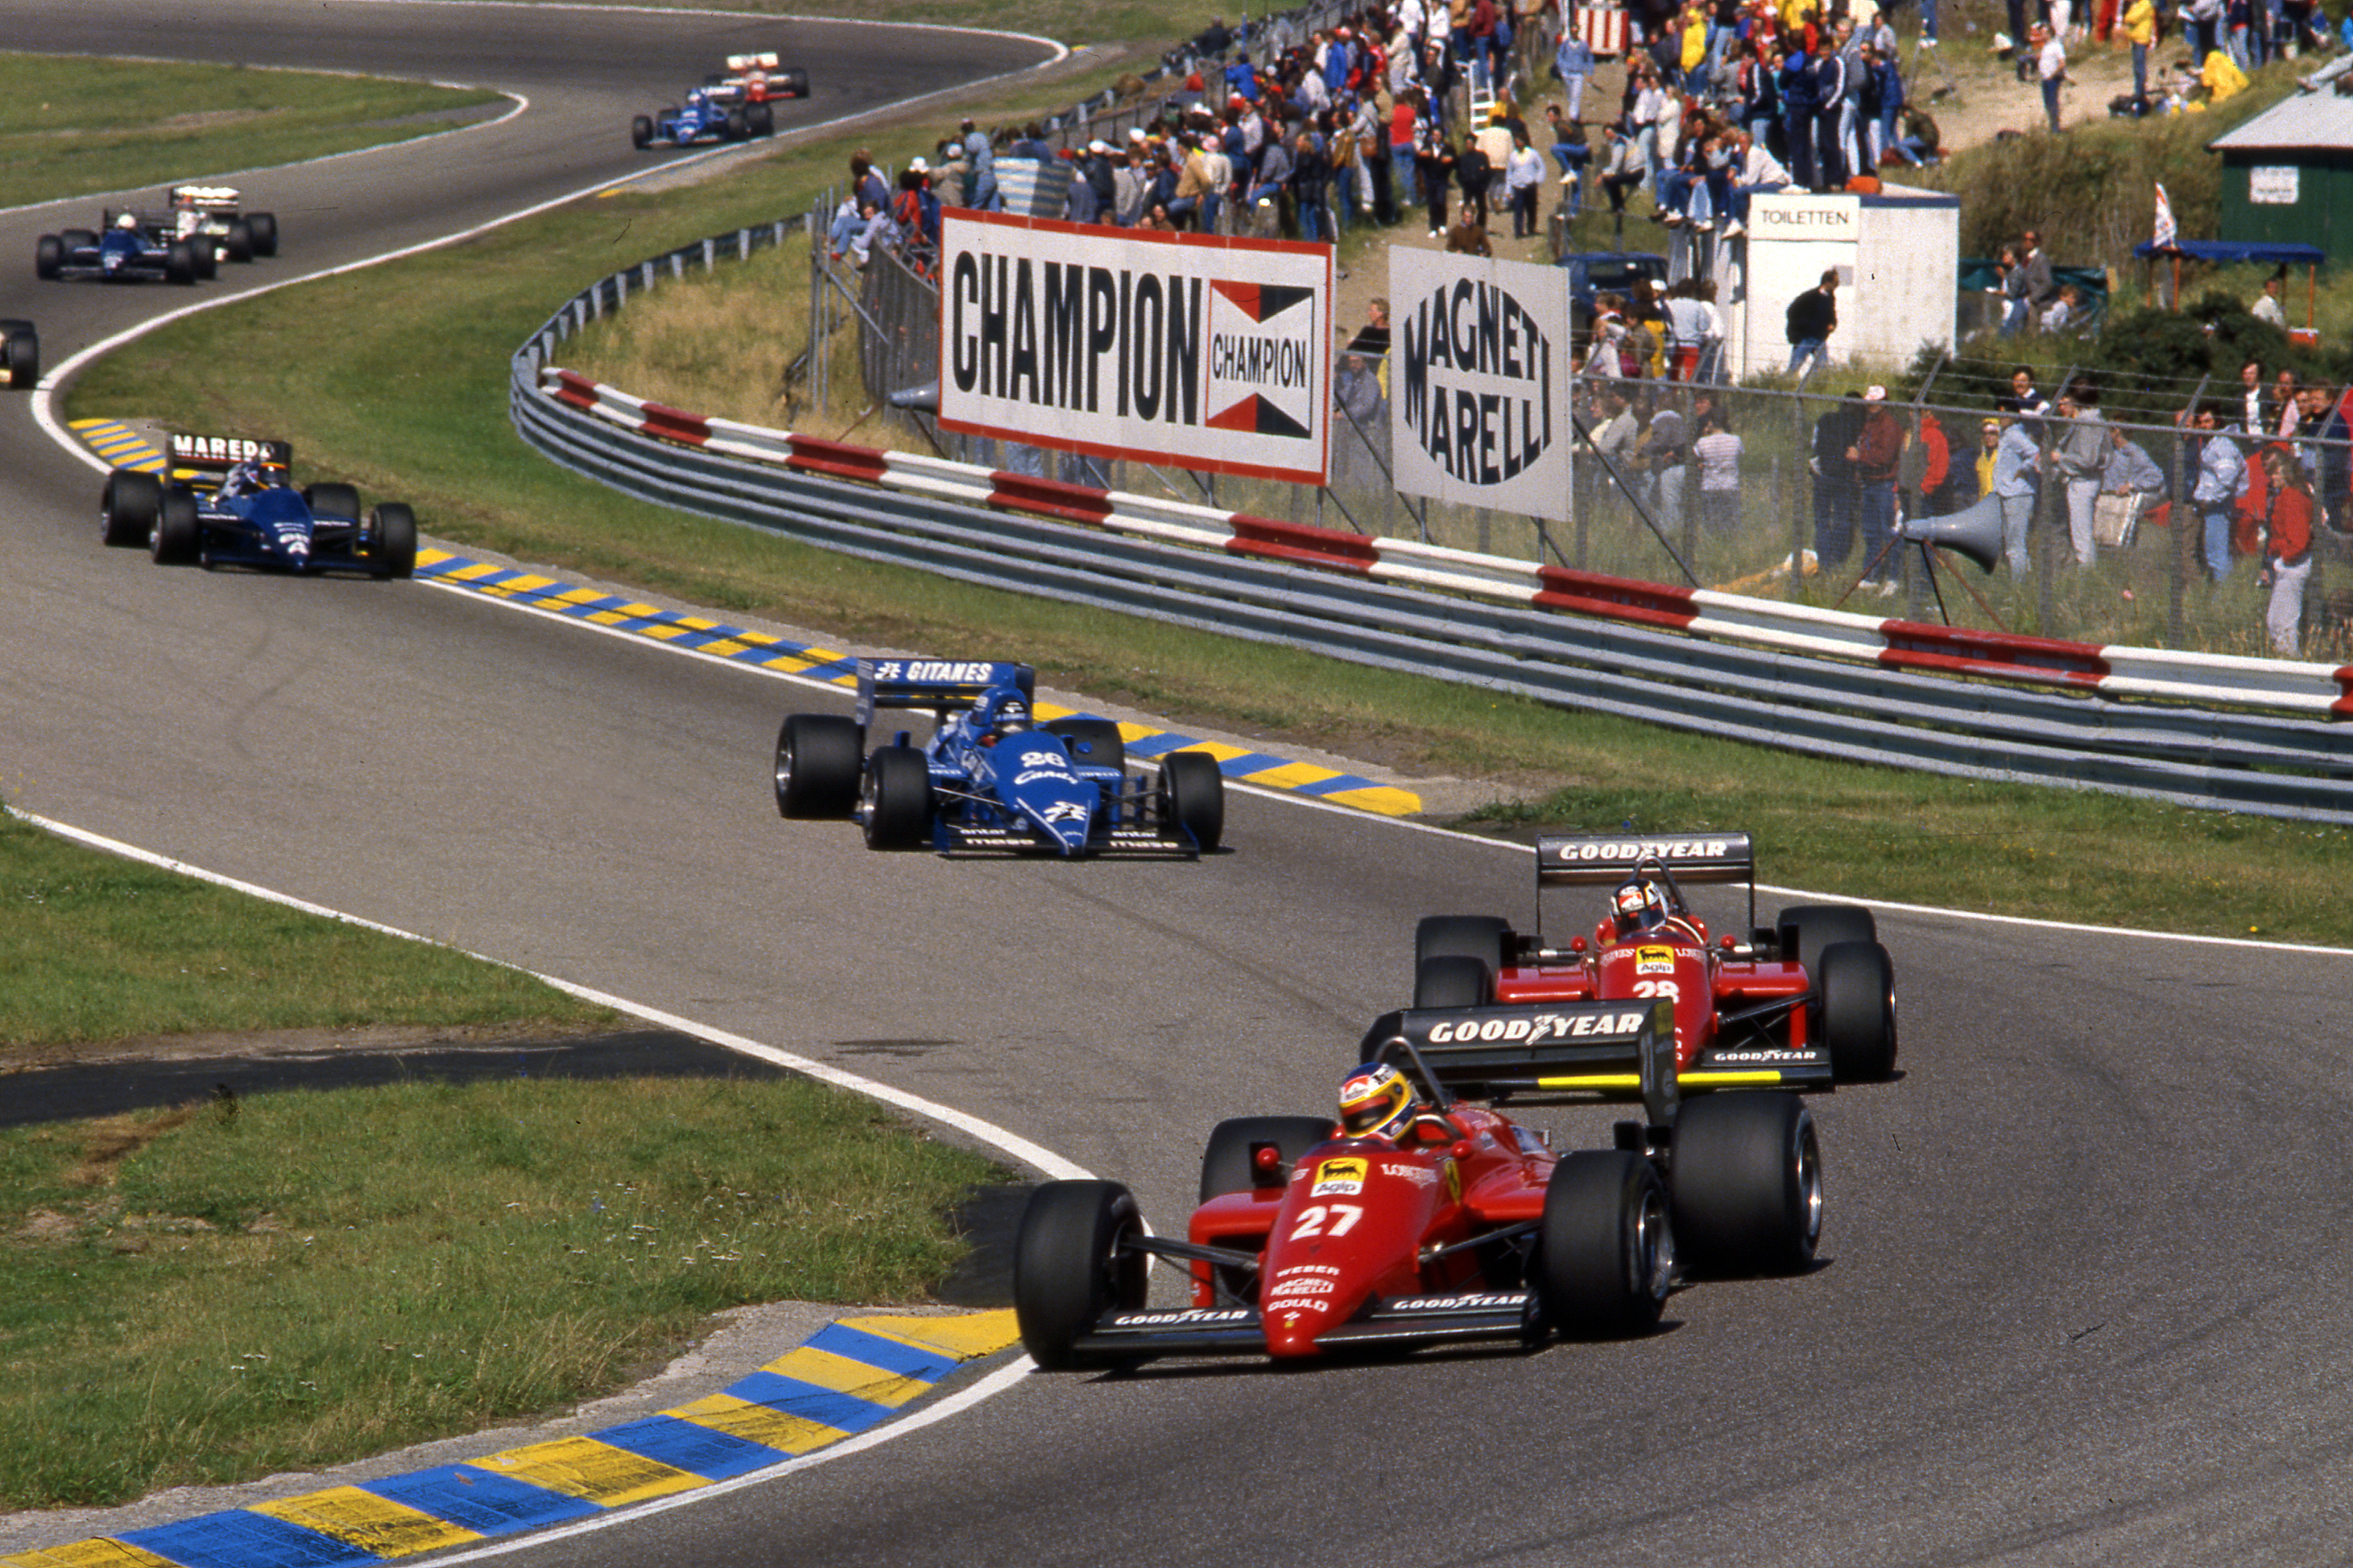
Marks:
<point>1897,255</point>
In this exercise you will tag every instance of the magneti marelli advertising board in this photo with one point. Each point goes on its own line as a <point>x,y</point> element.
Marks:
<point>1196,351</point>
<point>1479,381</point>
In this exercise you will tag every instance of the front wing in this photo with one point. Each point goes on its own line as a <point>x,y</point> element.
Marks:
<point>1241,1330</point>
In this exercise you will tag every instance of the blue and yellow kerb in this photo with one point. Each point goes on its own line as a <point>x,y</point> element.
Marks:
<point>848,1377</point>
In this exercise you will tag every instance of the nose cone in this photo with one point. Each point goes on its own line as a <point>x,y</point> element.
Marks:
<point>1294,1323</point>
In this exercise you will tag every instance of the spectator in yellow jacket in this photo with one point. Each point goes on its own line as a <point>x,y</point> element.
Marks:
<point>2140,31</point>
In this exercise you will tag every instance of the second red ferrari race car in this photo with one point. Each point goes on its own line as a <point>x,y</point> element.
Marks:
<point>1806,1002</point>
<point>1417,1218</point>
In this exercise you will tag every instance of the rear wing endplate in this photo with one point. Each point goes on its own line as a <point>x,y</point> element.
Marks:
<point>1615,1050</point>
<point>937,683</point>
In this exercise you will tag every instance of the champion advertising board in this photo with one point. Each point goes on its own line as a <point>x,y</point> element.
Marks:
<point>1479,374</point>
<point>1197,352</point>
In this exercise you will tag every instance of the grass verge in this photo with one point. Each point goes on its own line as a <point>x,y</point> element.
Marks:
<point>439,436</point>
<point>76,126</point>
<point>221,1293</point>
<point>100,949</point>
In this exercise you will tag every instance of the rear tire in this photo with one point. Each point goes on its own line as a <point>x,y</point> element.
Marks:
<point>1192,797</point>
<point>262,228</point>
<point>23,354</point>
<point>48,256</point>
<point>1096,743</point>
<point>1453,981</point>
<point>392,536</point>
<point>1807,929</point>
<point>1226,1163</point>
<point>1747,1184</point>
<point>1607,1254</point>
<point>1857,983</point>
<point>341,502</point>
<point>898,799</point>
<point>239,241</point>
<point>641,132</point>
<point>180,262</point>
<point>127,507</point>
<point>818,757</point>
<point>1068,1267</point>
<point>762,120</point>
<point>1486,939</point>
<point>735,128</point>
<point>173,542</point>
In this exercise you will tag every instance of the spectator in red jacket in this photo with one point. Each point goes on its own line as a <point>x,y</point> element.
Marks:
<point>1877,450</point>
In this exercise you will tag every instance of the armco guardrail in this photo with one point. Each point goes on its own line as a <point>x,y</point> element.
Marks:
<point>2210,730</point>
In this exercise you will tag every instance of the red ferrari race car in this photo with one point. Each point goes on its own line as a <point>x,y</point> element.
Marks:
<point>1418,1218</point>
<point>1806,1002</point>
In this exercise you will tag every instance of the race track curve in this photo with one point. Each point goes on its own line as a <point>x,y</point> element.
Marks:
<point>2084,1300</point>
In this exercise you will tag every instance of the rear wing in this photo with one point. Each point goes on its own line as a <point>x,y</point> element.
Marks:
<point>1615,1050</point>
<point>1605,859</point>
<point>935,683</point>
<point>209,196</point>
<point>203,460</point>
<point>766,62</point>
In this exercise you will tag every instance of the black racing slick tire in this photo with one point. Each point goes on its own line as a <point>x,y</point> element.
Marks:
<point>341,502</point>
<point>22,347</point>
<point>239,241</point>
<point>1096,743</point>
<point>262,229</point>
<point>180,262</point>
<point>1071,1263</point>
<point>1453,981</point>
<point>1747,1184</point>
<point>734,127</point>
<point>1192,799</point>
<point>80,239</point>
<point>392,541</point>
<point>1487,938</point>
<point>761,118</point>
<point>173,542</point>
<point>1807,929</point>
<point>1226,1163</point>
<point>1856,981</point>
<point>1606,1254</point>
<point>641,131</point>
<point>127,507</point>
<point>48,256</point>
<point>207,255</point>
<point>818,757</point>
<point>898,799</point>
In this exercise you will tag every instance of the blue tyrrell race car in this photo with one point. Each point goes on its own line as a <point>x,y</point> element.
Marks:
<point>130,251</point>
<point>990,778</point>
<point>721,111</point>
<point>227,502</point>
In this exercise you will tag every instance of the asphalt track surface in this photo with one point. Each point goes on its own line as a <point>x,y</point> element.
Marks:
<point>2086,1263</point>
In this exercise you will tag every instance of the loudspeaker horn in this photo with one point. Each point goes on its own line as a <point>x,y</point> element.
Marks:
<point>1975,532</point>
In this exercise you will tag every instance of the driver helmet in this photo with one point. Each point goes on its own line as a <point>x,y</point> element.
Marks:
<point>127,221</point>
<point>1375,1101</point>
<point>1003,713</point>
<point>1638,904</point>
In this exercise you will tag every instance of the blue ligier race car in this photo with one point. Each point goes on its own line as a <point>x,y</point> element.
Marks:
<point>224,500</point>
<point>721,111</point>
<point>989,779</point>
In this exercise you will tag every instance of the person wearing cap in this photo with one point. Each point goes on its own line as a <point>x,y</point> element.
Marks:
<point>1877,453</point>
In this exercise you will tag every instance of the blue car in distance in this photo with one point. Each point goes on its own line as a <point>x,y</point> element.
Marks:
<point>718,112</point>
<point>128,251</point>
<point>226,500</point>
<point>990,778</point>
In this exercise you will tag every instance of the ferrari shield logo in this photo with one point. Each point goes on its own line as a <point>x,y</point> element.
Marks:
<point>1453,1182</point>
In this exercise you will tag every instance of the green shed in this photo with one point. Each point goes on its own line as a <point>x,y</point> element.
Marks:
<point>2288,174</point>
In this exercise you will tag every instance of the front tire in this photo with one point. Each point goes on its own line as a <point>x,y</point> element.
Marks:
<point>1807,929</point>
<point>736,126</point>
<point>172,540</point>
<point>898,799</point>
<point>48,256</point>
<point>127,507</point>
<point>1857,984</point>
<point>180,262</point>
<point>762,120</point>
<point>818,757</point>
<point>24,351</point>
<point>1453,981</point>
<point>1192,797</point>
<point>239,241</point>
<point>1606,1258</point>
<point>392,534</point>
<point>1069,1266</point>
<point>1226,1163</point>
<point>641,132</point>
<point>262,229</point>
<point>1747,1184</point>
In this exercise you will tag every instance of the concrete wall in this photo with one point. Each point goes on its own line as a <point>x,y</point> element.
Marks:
<point>1897,255</point>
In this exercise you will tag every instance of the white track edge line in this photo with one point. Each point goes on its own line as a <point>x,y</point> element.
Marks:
<point>1010,1143</point>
